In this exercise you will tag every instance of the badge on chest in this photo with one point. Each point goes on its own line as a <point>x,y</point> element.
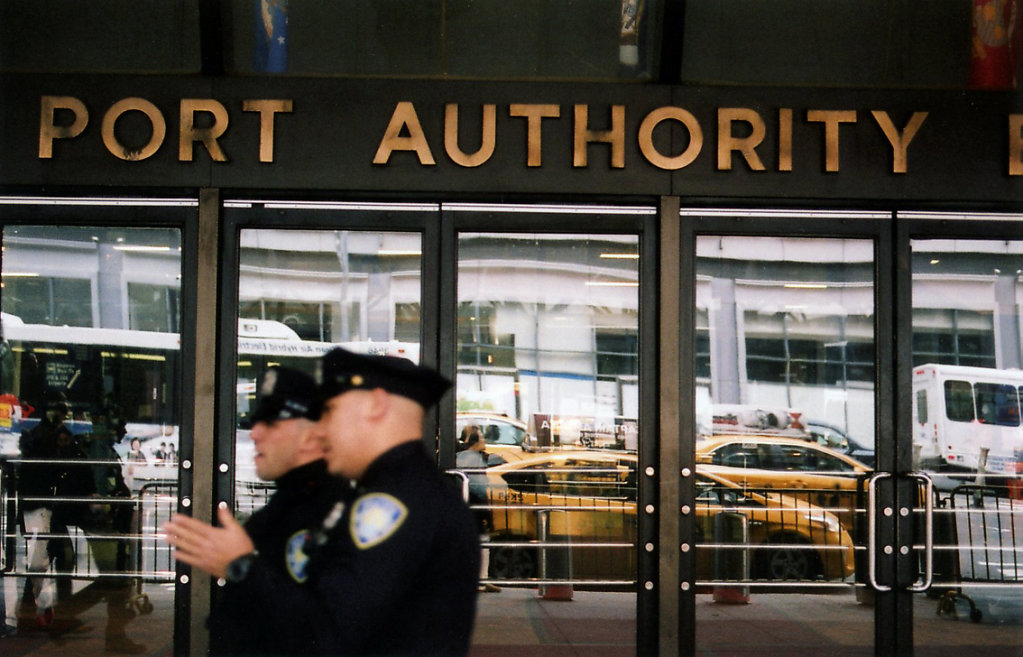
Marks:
<point>375,518</point>
<point>295,556</point>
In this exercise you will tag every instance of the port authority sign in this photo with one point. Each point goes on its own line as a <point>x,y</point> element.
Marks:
<point>558,138</point>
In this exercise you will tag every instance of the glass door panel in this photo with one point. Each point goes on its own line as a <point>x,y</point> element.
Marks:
<point>547,385</point>
<point>90,412</point>
<point>967,437</point>
<point>302,292</point>
<point>785,411</point>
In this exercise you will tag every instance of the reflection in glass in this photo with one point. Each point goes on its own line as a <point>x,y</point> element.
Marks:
<point>302,292</point>
<point>967,388</point>
<point>547,381</point>
<point>785,386</point>
<point>89,432</point>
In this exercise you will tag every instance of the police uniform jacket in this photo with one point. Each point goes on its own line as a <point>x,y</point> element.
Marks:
<point>280,531</point>
<point>394,572</point>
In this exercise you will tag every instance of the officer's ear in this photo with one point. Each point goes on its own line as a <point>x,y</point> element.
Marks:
<point>307,440</point>
<point>376,403</point>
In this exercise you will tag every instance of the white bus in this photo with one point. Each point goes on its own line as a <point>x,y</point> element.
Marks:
<point>967,418</point>
<point>139,371</point>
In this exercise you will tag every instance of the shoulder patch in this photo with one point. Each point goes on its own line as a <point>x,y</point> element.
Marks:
<point>375,518</point>
<point>295,557</point>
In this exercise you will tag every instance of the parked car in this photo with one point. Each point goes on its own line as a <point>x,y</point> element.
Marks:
<point>588,498</point>
<point>505,436</point>
<point>800,468</point>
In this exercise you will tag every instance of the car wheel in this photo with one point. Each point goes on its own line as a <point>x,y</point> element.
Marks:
<point>789,562</point>
<point>512,563</point>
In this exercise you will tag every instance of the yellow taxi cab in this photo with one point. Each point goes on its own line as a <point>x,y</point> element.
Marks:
<point>581,507</point>
<point>802,469</point>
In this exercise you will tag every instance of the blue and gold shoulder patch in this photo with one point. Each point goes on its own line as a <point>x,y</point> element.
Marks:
<point>375,518</point>
<point>295,557</point>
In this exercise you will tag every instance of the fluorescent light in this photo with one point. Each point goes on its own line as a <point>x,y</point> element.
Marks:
<point>806,286</point>
<point>610,284</point>
<point>154,357</point>
<point>620,256</point>
<point>141,248</point>
<point>20,274</point>
<point>399,252</point>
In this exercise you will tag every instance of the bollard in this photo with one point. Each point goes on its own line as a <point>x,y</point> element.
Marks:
<point>555,561</point>
<point>732,529</point>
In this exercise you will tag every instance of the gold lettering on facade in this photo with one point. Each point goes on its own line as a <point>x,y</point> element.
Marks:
<point>646,138</point>
<point>1016,144</point>
<point>899,140</point>
<point>156,121</point>
<point>747,146</point>
<point>49,130</point>
<point>534,115</point>
<point>785,139</point>
<point>267,109</point>
<point>831,120</point>
<point>404,118</point>
<point>488,138</point>
<point>208,137</point>
<point>583,135</point>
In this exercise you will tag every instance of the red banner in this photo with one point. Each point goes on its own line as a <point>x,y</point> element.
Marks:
<point>996,44</point>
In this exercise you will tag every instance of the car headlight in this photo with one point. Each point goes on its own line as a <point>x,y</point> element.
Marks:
<point>827,520</point>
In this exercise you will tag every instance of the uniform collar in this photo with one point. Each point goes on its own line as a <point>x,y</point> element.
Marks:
<point>303,476</point>
<point>392,456</point>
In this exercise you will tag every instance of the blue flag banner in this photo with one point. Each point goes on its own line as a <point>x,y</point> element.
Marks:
<point>271,36</point>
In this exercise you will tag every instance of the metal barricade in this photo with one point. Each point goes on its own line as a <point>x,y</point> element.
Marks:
<point>979,553</point>
<point>157,502</point>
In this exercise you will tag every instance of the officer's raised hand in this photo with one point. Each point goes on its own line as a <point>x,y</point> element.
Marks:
<point>205,547</point>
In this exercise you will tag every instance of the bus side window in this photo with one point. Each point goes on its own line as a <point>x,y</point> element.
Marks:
<point>921,406</point>
<point>959,401</point>
<point>997,404</point>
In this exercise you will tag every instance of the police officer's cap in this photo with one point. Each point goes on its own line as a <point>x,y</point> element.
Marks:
<point>344,370</point>
<point>286,394</point>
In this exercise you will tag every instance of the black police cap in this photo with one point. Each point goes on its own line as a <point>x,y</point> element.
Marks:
<point>286,394</point>
<point>343,370</point>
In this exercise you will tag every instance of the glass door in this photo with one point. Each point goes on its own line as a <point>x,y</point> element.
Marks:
<point>785,404</point>
<point>94,451</point>
<point>967,384</point>
<point>548,391</point>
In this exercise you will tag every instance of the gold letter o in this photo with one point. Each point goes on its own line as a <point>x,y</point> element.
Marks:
<point>155,119</point>
<point>646,138</point>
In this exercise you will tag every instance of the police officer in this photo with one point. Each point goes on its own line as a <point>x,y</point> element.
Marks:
<point>394,572</point>
<point>287,454</point>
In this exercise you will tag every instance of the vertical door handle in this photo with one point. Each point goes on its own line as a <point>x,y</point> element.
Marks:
<point>928,533</point>
<point>872,530</point>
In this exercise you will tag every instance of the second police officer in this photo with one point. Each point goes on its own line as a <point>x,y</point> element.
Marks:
<point>285,453</point>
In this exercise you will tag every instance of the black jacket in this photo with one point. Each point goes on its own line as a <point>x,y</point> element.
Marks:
<point>394,572</point>
<point>280,531</point>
